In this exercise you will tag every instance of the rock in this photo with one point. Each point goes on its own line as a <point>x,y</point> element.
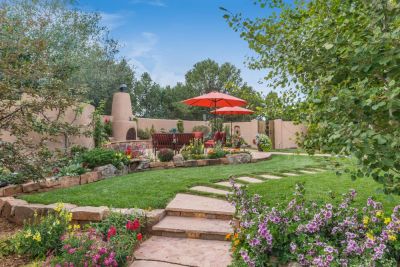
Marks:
<point>23,213</point>
<point>67,206</point>
<point>143,164</point>
<point>106,171</point>
<point>214,161</point>
<point>178,160</point>
<point>89,213</point>
<point>202,162</point>
<point>238,158</point>
<point>224,160</point>
<point>50,183</point>
<point>30,187</point>
<point>159,164</point>
<point>3,201</point>
<point>89,177</point>
<point>11,190</point>
<point>69,181</point>
<point>137,212</point>
<point>190,163</point>
<point>153,217</point>
<point>123,171</point>
<point>7,210</point>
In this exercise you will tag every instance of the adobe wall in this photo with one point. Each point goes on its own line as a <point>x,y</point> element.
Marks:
<point>285,133</point>
<point>144,123</point>
<point>248,130</point>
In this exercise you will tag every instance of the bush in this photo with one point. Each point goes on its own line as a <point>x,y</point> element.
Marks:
<point>263,142</point>
<point>217,152</point>
<point>195,150</point>
<point>43,234</point>
<point>165,155</point>
<point>315,234</point>
<point>73,169</point>
<point>7,177</point>
<point>179,126</point>
<point>144,134</point>
<point>201,128</point>
<point>102,156</point>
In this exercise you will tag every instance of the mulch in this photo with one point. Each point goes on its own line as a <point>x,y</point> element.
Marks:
<point>8,229</point>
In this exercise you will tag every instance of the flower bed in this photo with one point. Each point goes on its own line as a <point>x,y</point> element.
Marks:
<point>315,234</point>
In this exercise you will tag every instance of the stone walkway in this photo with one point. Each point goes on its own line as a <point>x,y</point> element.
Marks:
<point>193,231</point>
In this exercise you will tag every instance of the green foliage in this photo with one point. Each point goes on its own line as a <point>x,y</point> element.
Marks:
<point>217,125</point>
<point>237,141</point>
<point>103,156</point>
<point>201,128</point>
<point>263,142</point>
<point>195,150</point>
<point>144,134</point>
<point>349,81</point>
<point>216,152</point>
<point>165,154</point>
<point>108,128</point>
<point>100,133</point>
<point>73,169</point>
<point>284,106</point>
<point>179,126</point>
<point>43,234</point>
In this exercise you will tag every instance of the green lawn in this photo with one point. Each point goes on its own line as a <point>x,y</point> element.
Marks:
<point>154,189</point>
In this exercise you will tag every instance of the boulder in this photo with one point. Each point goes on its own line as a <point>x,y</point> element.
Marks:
<point>214,161</point>
<point>30,187</point>
<point>7,210</point>
<point>143,164</point>
<point>190,163</point>
<point>10,190</point>
<point>239,158</point>
<point>67,206</point>
<point>224,160</point>
<point>106,171</point>
<point>202,162</point>
<point>23,213</point>
<point>123,170</point>
<point>89,213</point>
<point>89,177</point>
<point>52,182</point>
<point>178,160</point>
<point>69,181</point>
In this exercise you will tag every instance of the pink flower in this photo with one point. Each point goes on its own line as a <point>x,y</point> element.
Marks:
<point>139,236</point>
<point>111,232</point>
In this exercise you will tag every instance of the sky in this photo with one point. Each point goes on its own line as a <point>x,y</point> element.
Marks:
<point>167,37</point>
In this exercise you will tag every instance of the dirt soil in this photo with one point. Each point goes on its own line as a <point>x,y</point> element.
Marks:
<point>7,229</point>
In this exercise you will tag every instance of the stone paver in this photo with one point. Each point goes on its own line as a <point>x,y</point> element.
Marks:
<point>258,155</point>
<point>193,203</point>
<point>185,251</point>
<point>193,225</point>
<point>270,176</point>
<point>207,189</point>
<point>318,169</point>
<point>249,180</point>
<point>290,174</point>
<point>308,172</point>
<point>228,184</point>
<point>142,263</point>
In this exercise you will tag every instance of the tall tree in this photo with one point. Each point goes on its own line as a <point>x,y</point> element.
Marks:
<point>147,98</point>
<point>343,57</point>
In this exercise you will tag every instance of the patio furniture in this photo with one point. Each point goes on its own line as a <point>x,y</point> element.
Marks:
<point>183,139</point>
<point>218,137</point>
<point>170,140</point>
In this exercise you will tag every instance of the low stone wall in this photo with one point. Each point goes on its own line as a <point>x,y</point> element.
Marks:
<point>18,211</point>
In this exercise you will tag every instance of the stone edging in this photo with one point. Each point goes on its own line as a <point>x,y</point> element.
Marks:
<point>18,211</point>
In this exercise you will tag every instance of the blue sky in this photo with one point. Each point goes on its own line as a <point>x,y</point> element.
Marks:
<point>167,37</point>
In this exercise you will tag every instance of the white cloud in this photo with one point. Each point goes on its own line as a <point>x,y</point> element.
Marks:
<point>142,54</point>
<point>112,20</point>
<point>158,3</point>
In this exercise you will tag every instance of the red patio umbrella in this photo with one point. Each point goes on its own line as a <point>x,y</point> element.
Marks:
<point>215,100</point>
<point>232,111</point>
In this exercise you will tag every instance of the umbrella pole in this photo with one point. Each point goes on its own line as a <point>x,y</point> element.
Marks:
<point>215,117</point>
<point>231,130</point>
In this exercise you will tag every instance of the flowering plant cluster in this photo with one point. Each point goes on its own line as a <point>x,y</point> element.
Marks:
<point>135,151</point>
<point>315,234</point>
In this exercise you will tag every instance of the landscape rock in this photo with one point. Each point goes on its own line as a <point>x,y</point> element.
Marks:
<point>123,170</point>
<point>23,213</point>
<point>69,181</point>
<point>52,182</point>
<point>143,164</point>
<point>214,161</point>
<point>30,187</point>
<point>239,158</point>
<point>202,162</point>
<point>153,217</point>
<point>106,171</point>
<point>89,177</point>
<point>67,206</point>
<point>178,160</point>
<point>11,190</point>
<point>89,213</point>
<point>224,160</point>
<point>190,163</point>
<point>7,210</point>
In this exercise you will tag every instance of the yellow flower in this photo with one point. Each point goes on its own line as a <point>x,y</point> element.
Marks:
<point>37,237</point>
<point>392,237</point>
<point>77,227</point>
<point>69,227</point>
<point>379,213</point>
<point>236,236</point>
<point>236,242</point>
<point>365,220</point>
<point>370,236</point>
<point>28,233</point>
<point>59,207</point>
<point>69,216</point>
<point>387,220</point>
<point>228,236</point>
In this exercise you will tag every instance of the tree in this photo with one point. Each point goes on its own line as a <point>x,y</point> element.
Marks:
<point>343,57</point>
<point>42,44</point>
<point>277,106</point>
<point>147,98</point>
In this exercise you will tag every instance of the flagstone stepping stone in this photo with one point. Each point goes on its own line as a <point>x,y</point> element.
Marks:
<point>199,204</point>
<point>249,180</point>
<point>318,169</point>
<point>290,174</point>
<point>185,251</point>
<point>207,189</point>
<point>191,227</point>
<point>308,172</point>
<point>153,264</point>
<point>228,184</point>
<point>270,176</point>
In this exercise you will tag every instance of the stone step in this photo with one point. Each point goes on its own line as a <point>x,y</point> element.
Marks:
<point>184,251</point>
<point>228,184</point>
<point>207,189</point>
<point>270,176</point>
<point>290,174</point>
<point>189,227</point>
<point>308,172</point>
<point>317,169</point>
<point>187,205</point>
<point>249,180</point>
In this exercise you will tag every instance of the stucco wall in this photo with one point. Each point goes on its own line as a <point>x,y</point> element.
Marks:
<point>285,133</point>
<point>144,123</point>
<point>248,130</point>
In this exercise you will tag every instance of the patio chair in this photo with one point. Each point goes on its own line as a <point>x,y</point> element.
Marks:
<point>182,139</point>
<point>162,140</point>
<point>218,137</point>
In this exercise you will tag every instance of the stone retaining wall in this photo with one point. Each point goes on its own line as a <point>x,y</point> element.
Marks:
<point>18,211</point>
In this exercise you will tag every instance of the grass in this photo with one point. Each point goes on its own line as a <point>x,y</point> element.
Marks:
<point>154,189</point>
<point>318,187</point>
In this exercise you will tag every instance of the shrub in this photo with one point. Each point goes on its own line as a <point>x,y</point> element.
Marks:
<point>315,234</point>
<point>237,141</point>
<point>179,126</point>
<point>195,150</point>
<point>107,127</point>
<point>263,142</point>
<point>201,128</point>
<point>43,234</point>
<point>77,150</point>
<point>7,177</point>
<point>217,152</point>
<point>144,134</point>
<point>165,154</point>
<point>73,169</point>
<point>102,156</point>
